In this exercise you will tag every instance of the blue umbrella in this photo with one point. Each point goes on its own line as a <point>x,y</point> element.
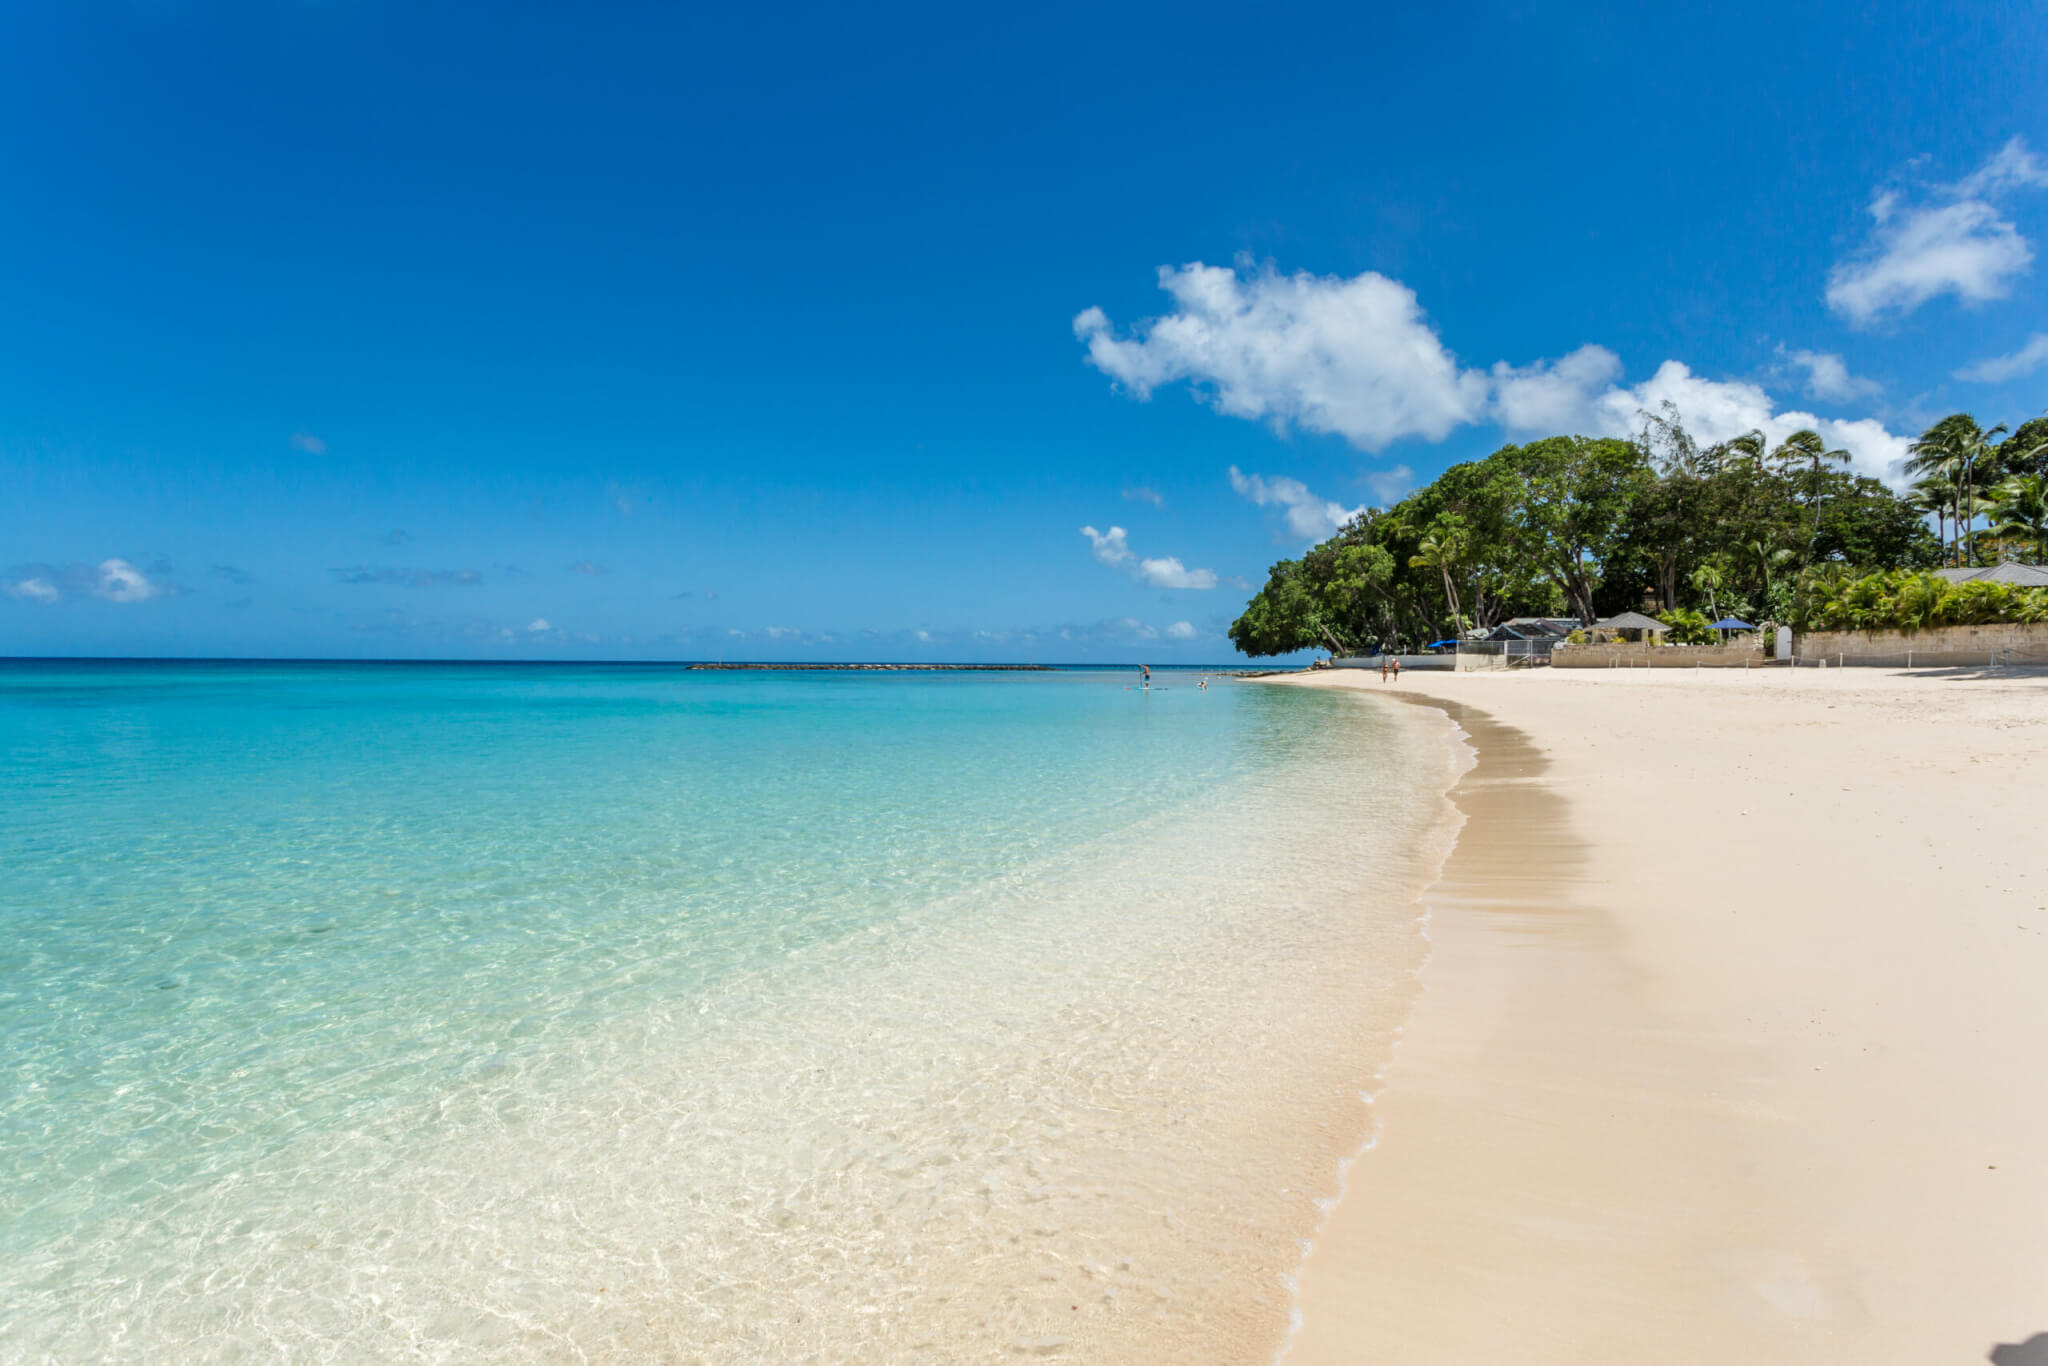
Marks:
<point>1732,624</point>
<point>1439,644</point>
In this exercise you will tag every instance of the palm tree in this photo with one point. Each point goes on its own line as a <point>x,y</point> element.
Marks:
<point>1806,445</point>
<point>1961,452</point>
<point>1708,579</point>
<point>1751,446</point>
<point>2019,506</point>
<point>1933,496</point>
<point>1440,549</point>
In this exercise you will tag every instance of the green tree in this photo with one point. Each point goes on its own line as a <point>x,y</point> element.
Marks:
<point>2019,508</point>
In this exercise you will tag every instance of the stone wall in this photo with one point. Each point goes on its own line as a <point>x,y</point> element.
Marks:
<point>1625,655</point>
<point>1937,647</point>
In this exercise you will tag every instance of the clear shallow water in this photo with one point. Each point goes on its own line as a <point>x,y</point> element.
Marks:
<point>357,1012</point>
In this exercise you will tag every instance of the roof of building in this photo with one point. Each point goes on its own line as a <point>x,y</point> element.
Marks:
<point>1630,621</point>
<point>2021,575</point>
<point>1532,628</point>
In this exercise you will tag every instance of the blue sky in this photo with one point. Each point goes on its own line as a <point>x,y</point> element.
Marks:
<point>513,331</point>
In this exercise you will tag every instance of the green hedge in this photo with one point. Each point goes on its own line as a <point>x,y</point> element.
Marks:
<point>1906,600</point>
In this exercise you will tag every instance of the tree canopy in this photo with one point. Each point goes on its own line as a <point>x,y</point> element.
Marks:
<point>1584,527</point>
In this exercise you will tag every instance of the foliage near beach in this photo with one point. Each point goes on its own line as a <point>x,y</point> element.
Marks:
<point>1573,526</point>
<point>1907,601</point>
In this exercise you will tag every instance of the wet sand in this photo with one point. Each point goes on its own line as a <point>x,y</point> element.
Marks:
<point>1732,1036</point>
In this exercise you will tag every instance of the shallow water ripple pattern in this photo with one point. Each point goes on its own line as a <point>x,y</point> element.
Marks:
<point>471,1013</point>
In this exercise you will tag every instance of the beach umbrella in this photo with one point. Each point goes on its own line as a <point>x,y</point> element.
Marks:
<point>1732,624</point>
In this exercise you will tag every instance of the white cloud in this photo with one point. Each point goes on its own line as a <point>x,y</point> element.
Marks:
<point>1142,494</point>
<point>2011,167</point>
<point>1308,517</point>
<point>33,588</point>
<point>1130,628</point>
<point>120,581</point>
<point>1550,396</point>
<point>1828,378</point>
<point>1113,548</point>
<point>1182,630</point>
<point>308,443</point>
<point>1715,410</point>
<point>588,569</point>
<point>538,624</point>
<point>1958,242</point>
<point>924,637</point>
<point>1999,369</point>
<point>1353,357</point>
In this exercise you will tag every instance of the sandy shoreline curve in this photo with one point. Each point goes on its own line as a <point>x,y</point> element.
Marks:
<point>1731,1039</point>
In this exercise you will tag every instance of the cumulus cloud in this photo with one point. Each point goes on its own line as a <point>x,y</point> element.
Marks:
<point>1954,241</point>
<point>115,580</point>
<point>1182,630</point>
<point>1142,494</point>
<point>1828,378</point>
<point>538,625</point>
<point>1113,549</point>
<point>1999,369</point>
<point>587,568</point>
<point>407,578</point>
<point>1308,517</point>
<point>1354,357</point>
<point>120,581</point>
<point>1549,396</point>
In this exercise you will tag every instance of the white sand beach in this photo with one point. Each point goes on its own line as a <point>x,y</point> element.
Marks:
<point>1733,1036</point>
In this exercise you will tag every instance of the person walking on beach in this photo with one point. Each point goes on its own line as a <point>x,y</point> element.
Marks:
<point>1383,668</point>
<point>1397,668</point>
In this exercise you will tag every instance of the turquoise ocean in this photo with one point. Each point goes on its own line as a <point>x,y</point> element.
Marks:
<point>380,1012</point>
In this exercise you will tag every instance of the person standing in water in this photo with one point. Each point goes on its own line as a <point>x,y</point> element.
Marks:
<point>1145,676</point>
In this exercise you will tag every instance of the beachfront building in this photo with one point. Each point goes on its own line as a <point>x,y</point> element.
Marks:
<point>1532,636</point>
<point>2012,572</point>
<point>1629,626</point>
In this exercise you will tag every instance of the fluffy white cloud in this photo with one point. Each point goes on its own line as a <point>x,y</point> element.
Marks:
<point>537,625</point>
<point>1308,517</point>
<point>1958,242</point>
<point>1353,356</point>
<point>1828,378</point>
<point>120,581</point>
<point>1550,396</point>
<point>1113,548</point>
<point>1182,630</point>
<point>1715,410</point>
<point>1999,369</point>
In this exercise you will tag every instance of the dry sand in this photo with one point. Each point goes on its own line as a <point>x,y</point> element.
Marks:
<point>1733,1045</point>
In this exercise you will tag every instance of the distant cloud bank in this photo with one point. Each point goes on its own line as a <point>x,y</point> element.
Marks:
<point>112,580</point>
<point>406,578</point>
